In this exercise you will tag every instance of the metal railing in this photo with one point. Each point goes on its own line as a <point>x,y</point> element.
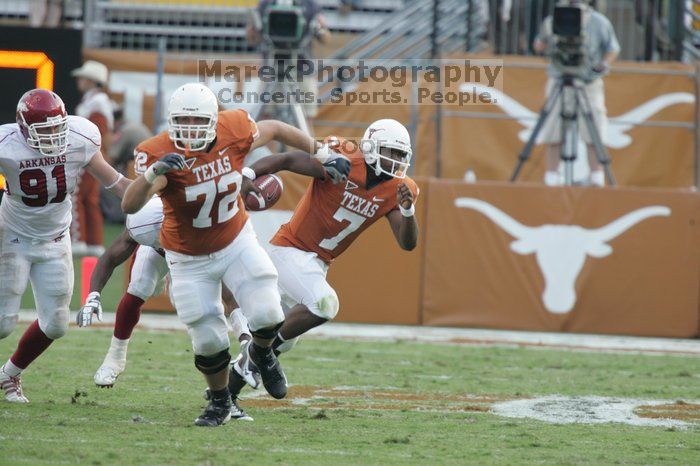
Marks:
<point>691,22</point>
<point>17,13</point>
<point>204,25</point>
<point>411,33</point>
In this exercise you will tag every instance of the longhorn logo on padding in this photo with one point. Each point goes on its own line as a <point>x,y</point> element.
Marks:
<point>561,250</point>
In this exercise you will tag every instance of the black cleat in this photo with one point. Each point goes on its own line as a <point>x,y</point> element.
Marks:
<point>217,413</point>
<point>273,377</point>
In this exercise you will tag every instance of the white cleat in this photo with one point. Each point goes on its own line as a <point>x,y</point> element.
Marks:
<point>246,369</point>
<point>106,376</point>
<point>238,414</point>
<point>12,387</point>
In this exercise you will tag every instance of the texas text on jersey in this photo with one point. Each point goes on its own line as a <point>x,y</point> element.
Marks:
<point>203,210</point>
<point>37,204</point>
<point>330,216</point>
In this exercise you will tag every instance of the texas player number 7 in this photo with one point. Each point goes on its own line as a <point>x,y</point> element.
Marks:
<point>228,205</point>
<point>355,222</point>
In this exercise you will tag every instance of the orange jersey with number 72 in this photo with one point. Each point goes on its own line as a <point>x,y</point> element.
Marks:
<point>203,211</point>
<point>330,216</point>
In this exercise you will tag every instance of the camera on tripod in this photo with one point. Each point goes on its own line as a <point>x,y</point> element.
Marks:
<point>283,26</point>
<point>568,28</point>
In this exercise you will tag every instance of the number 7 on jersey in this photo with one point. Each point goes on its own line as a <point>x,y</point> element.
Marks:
<point>340,215</point>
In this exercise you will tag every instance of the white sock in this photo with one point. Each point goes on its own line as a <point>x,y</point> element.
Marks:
<point>551,178</point>
<point>598,178</point>
<point>239,323</point>
<point>116,356</point>
<point>10,369</point>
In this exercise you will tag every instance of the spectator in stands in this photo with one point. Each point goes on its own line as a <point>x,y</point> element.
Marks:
<point>45,13</point>
<point>602,48</point>
<point>95,105</point>
<point>127,135</point>
<point>315,28</point>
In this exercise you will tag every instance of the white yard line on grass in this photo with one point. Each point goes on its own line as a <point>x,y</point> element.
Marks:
<point>465,336</point>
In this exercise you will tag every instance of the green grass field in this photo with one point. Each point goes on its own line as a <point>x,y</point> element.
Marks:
<point>350,403</point>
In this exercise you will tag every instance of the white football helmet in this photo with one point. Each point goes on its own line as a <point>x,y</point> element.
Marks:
<point>387,134</point>
<point>192,100</point>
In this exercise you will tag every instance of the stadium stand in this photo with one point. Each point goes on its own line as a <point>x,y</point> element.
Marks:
<point>648,30</point>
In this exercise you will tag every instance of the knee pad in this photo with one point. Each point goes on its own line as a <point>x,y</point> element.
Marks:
<point>287,345</point>
<point>7,325</point>
<point>263,308</point>
<point>142,287</point>
<point>209,335</point>
<point>327,307</point>
<point>267,333</point>
<point>212,364</point>
<point>55,326</point>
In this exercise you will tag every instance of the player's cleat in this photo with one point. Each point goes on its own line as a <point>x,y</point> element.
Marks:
<point>12,386</point>
<point>237,414</point>
<point>217,413</point>
<point>106,376</point>
<point>248,371</point>
<point>273,377</point>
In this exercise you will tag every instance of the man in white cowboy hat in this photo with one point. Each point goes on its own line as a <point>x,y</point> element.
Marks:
<point>91,80</point>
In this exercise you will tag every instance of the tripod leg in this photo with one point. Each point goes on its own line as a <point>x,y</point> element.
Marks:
<point>544,113</point>
<point>600,151</point>
<point>569,134</point>
<point>297,112</point>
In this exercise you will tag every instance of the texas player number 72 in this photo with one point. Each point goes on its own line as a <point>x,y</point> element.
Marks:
<point>228,205</point>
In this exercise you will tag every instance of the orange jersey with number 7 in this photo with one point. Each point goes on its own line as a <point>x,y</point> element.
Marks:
<point>203,211</point>
<point>330,216</point>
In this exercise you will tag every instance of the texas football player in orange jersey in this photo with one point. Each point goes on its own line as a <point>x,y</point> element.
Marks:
<point>195,167</point>
<point>327,220</point>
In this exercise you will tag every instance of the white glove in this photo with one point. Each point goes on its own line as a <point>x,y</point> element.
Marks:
<point>93,305</point>
<point>326,154</point>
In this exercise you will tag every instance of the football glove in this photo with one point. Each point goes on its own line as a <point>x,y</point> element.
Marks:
<point>165,164</point>
<point>338,169</point>
<point>93,306</point>
<point>326,154</point>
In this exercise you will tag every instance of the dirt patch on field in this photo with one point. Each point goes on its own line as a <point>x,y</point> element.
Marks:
<point>557,409</point>
<point>368,399</point>
<point>679,410</point>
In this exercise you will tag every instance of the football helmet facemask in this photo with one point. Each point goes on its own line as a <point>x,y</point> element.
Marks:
<point>192,100</point>
<point>42,119</point>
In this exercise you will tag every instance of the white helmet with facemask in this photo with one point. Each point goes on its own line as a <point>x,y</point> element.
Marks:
<point>387,134</point>
<point>192,100</point>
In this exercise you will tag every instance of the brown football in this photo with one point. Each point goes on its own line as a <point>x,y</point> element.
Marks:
<point>271,188</point>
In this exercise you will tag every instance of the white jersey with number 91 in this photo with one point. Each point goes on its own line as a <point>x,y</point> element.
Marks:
<point>37,203</point>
